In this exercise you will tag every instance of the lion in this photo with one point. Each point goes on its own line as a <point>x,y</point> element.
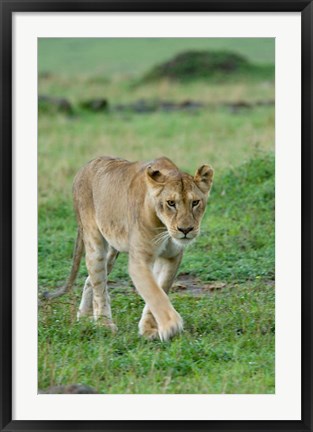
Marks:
<point>152,211</point>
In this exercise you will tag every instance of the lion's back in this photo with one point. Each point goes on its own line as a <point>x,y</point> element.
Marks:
<point>100,190</point>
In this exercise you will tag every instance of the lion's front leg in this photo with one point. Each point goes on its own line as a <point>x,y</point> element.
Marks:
<point>164,270</point>
<point>148,326</point>
<point>169,322</point>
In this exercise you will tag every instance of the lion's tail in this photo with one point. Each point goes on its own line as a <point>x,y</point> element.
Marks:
<point>78,252</point>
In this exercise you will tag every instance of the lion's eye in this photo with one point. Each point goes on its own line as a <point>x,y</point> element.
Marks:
<point>195,203</point>
<point>171,203</point>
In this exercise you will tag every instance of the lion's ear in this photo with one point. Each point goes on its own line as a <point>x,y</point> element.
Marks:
<point>155,175</point>
<point>204,178</point>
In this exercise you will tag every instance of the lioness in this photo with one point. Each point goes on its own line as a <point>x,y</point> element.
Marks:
<point>151,210</point>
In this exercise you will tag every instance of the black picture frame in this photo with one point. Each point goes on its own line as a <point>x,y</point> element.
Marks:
<point>7,9</point>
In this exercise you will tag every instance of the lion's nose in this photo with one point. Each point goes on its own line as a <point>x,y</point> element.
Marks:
<point>185,230</point>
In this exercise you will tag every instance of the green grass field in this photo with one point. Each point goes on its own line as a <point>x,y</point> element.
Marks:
<point>228,342</point>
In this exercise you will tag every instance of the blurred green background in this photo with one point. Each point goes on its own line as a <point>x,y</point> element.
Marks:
<point>128,57</point>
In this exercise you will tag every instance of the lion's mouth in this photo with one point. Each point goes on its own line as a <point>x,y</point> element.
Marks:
<point>184,240</point>
<point>188,236</point>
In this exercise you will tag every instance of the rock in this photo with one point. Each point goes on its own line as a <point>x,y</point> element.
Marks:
<point>95,105</point>
<point>54,104</point>
<point>69,389</point>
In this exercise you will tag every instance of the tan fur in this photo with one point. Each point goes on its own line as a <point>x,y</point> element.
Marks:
<point>128,207</point>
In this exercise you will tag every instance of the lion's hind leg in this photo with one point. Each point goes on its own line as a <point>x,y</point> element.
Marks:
<point>86,304</point>
<point>97,250</point>
<point>111,258</point>
<point>85,307</point>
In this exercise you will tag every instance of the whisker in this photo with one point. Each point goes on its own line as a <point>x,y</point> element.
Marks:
<point>160,228</point>
<point>162,233</point>
<point>159,238</point>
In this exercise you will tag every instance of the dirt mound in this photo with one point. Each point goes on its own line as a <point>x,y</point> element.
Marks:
<point>199,65</point>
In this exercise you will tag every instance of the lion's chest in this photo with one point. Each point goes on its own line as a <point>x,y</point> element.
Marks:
<point>168,249</point>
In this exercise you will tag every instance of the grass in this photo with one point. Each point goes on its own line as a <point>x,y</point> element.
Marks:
<point>230,351</point>
<point>229,337</point>
<point>213,135</point>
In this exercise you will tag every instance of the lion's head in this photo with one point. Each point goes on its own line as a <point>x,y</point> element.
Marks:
<point>180,200</point>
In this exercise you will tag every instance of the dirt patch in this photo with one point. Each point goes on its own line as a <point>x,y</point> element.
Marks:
<point>192,285</point>
<point>121,285</point>
<point>185,283</point>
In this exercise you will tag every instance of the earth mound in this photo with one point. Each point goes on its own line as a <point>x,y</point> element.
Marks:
<point>199,65</point>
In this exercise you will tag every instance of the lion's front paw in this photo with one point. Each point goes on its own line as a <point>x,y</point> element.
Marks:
<point>171,326</point>
<point>148,327</point>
